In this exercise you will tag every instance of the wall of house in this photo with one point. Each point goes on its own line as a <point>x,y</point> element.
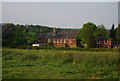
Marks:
<point>102,44</point>
<point>64,42</point>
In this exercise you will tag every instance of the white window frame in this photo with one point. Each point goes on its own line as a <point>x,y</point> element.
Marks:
<point>64,41</point>
<point>105,41</point>
<point>61,41</point>
<point>98,42</point>
<point>57,41</point>
<point>70,41</point>
<point>54,41</point>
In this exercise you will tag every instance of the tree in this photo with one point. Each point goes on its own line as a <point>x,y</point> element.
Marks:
<point>101,31</point>
<point>8,33</point>
<point>86,33</point>
<point>18,35</point>
<point>118,33</point>
<point>112,32</point>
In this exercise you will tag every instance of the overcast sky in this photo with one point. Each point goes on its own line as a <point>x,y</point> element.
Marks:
<point>61,14</point>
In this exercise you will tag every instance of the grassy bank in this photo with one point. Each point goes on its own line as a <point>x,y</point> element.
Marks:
<point>58,64</point>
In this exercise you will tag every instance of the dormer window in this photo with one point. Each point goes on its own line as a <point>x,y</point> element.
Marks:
<point>105,42</point>
<point>98,41</point>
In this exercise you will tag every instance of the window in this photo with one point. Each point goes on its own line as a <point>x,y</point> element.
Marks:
<point>61,41</point>
<point>54,41</point>
<point>64,41</point>
<point>57,41</point>
<point>98,41</point>
<point>70,41</point>
<point>49,40</point>
<point>105,42</point>
<point>66,37</point>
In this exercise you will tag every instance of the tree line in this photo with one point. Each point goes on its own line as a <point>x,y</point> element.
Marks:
<point>18,35</point>
<point>89,32</point>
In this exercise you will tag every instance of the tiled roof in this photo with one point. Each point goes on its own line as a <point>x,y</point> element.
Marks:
<point>66,34</point>
<point>103,38</point>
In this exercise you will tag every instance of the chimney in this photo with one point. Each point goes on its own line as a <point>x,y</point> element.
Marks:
<point>54,30</point>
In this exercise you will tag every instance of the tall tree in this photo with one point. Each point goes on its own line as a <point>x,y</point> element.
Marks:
<point>8,33</point>
<point>101,31</point>
<point>118,33</point>
<point>87,34</point>
<point>112,32</point>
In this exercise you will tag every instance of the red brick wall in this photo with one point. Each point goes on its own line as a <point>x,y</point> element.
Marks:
<point>105,45</point>
<point>60,42</point>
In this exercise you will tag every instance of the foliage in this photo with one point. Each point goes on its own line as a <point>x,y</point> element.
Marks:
<point>51,44</point>
<point>69,49</point>
<point>80,49</point>
<point>17,35</point>
<point>112,32</point>
<point>87,34</point>
<point>101,31</point>
<point>43,64</point>
<point>118,33</point>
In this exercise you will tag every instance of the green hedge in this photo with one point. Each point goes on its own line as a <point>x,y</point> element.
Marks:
<point>24,47</point>
<point>81,49</point>
<point>65,48</point>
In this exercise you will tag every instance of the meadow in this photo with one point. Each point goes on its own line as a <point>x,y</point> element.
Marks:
<point>58,64</point>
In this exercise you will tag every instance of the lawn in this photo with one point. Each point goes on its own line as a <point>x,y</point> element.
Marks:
<point>57,64</point>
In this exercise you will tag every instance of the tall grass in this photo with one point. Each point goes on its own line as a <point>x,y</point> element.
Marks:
<point>66,62</point>
<point>76,57</point>
<point>88,58</point>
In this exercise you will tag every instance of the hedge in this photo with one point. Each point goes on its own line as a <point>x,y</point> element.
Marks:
<point>79,49</point>
<point>72,49</point>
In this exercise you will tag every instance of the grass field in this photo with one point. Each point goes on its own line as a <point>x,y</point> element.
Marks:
<point>51,64</point>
